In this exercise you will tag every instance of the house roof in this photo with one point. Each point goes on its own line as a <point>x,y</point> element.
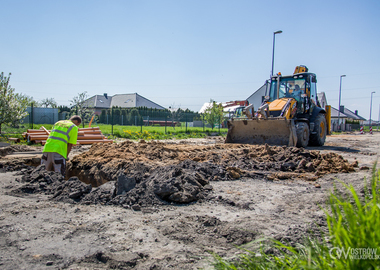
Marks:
<point>335,113</point>
<point>262,88</point>
<point>204,107</point>
<point>121,100</point>
<point>345,114</point>
<point>353,115</point>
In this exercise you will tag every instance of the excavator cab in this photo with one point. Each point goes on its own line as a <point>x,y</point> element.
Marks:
<point>300,87</point>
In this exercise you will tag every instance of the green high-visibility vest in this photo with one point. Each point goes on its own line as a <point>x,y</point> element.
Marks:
<point>63,132</point>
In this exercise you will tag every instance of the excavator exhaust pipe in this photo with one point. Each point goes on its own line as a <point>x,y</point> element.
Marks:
<point>273,131</point>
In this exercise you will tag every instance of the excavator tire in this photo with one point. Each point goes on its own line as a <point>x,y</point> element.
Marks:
<point>302,134</point>
<point>320,131</point>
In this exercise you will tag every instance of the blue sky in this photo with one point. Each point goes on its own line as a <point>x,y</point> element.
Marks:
<point>183,53</point>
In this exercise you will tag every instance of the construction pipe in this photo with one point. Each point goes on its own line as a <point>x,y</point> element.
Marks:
<point>94,141</point>
<point>91,137</point>
<point>37,137</point>
<point>81,142</point>
<point>34,130</point>
<point>83,137</point>
<point>47,131</point>
<point>91,132</point>
<point>91,128</point>
<point>14,139</point>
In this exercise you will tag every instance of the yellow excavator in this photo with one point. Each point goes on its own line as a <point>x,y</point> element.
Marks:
<point>289,115</point>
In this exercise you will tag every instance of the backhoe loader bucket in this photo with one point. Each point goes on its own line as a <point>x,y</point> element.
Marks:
<point>273,131</point>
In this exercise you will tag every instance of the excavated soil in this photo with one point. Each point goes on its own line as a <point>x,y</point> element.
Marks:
<point>160,205</point>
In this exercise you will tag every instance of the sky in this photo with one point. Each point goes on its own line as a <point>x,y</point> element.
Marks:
<point>183,53</point>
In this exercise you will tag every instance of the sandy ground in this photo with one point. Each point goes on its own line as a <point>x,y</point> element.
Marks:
<point>37,232</point>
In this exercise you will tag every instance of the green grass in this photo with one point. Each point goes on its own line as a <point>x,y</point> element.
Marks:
<point>157,132</point>
<point>353,222</point>
<point>132,132</point>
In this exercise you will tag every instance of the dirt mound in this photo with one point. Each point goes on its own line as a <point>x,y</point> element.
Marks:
<point>52,183</point>
<point>102,162</point>
<point>15,148</point>
<point>154,173</point>
<point>15,165</point>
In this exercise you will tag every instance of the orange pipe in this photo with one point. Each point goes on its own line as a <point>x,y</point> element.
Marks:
<point>14,139</point>
<point>93,141</point>
<point>92,132</point>
<point>36,134</point>
<point>47,131</point>
<point>92,118</point>
<point>90,128</point>
<point>38,137</point>
<point>80,142</point>
<point>91,137</point>
<point>34,130</point>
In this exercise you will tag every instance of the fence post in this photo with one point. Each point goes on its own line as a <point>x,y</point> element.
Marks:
<point>203,122</point>
<point>31,115</point>
<point>186,122</point>
<point>166,121</point>
<point>219,123</point>
<point>112,120</point>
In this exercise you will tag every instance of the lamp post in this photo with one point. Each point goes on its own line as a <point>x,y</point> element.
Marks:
<point>378,120</point>
<point>370,110</point>
<point>340,90</point>
<point>274,37</point>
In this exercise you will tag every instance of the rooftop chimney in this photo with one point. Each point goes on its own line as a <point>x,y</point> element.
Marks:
<point>105,95</point>
<point>356,112</point>
<point>341,108</point>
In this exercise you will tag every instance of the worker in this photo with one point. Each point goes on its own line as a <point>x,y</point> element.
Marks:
<point>59,143</point>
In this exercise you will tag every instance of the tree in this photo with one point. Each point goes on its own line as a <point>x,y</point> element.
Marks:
<point>79,106</point>
<point>63,108</point>
<point>103,117</point>
<point>49,102</point>
<point>135,117</point>
<point>214,114</point>
<point>116,116</point>
<point>176,114</point>
<point>12,105</point>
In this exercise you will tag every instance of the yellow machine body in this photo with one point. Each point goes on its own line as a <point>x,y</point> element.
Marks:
<point>291,114</point>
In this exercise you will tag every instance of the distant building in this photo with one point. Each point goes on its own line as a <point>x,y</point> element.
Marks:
<point>257,97</point>
<point>344,116</point>
<point>99,102</point>
<point>228,107</point>
<point>322,99</point>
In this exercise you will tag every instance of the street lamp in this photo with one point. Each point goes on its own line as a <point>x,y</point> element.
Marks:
<point>378,120</point>
<point>274,37</point>
<point>370,110</point>
<point>340,90</point>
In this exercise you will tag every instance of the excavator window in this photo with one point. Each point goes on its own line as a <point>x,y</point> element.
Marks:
<point>289,88</point>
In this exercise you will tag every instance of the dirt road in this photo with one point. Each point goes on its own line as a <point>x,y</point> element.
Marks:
<point>170,204</point>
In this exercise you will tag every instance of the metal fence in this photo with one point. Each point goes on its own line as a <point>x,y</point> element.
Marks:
<point>150,117</point>
<point>184,121</point>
